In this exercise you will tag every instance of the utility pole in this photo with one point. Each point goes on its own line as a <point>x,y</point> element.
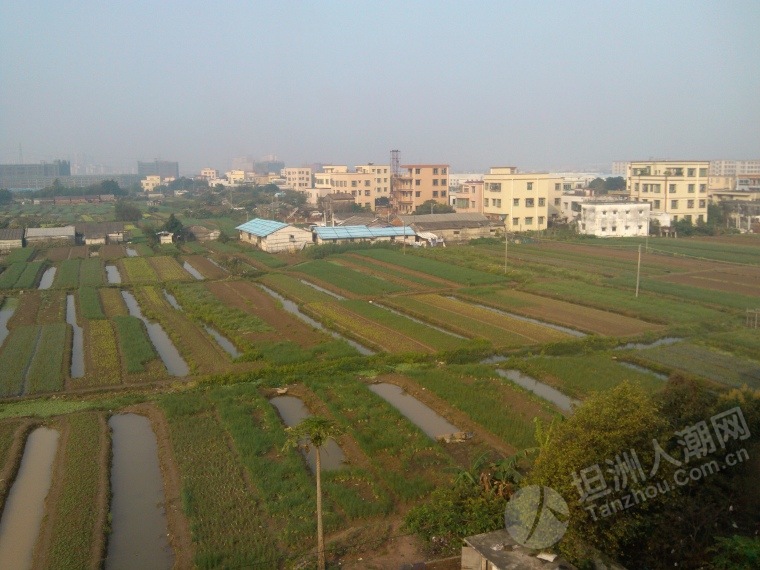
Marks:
<point>638,272</point>
<point>506,248</point>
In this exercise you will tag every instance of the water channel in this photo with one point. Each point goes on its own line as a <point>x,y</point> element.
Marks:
<point>644,345</point>
<point>400,314</point>
<point>193,271</point>
<point>113,275</point>
<point>223,341</point>
<point>46,282</point>
<point>293,411</point>
<point>138,536</point>
<point>643,369</point>
<point>77,344</point>
<point>8,308</point>
<point>562,401</point>
<point>25,507</point>
<point>292,308</point>
<point>433,424</point>
<point>132,252</point>
<point>169,354</point>
<point>323,290</point>
<point>172,300</point>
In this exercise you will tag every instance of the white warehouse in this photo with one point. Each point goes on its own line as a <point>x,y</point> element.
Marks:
<point>614,219</point>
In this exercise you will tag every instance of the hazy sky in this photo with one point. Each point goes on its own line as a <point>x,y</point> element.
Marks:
<point>540,85</point>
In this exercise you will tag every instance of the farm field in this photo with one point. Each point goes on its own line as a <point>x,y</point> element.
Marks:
<point>235,497</point>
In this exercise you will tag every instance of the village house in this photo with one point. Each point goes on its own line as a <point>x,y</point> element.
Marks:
<point>100,233</point>
<point>452,227</point>
<point>357,234</point>
<point>202,233</point>
<point>65,235</point>
<point>273,236</point>
<point>11,238</point>
<point>165,238</point>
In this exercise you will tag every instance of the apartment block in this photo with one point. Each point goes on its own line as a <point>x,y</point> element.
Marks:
<point>674,187</point>
<point>365,184</point>
<point>297,178</point>
<point>524,201</point>
<point>734,167</point>
<point>149,183</point>
<point>469,197</point>
<point>613,218</point>
<point>420,183</point>
<point>209,173</point>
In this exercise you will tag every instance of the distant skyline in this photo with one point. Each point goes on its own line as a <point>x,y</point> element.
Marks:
<point>540,85</point>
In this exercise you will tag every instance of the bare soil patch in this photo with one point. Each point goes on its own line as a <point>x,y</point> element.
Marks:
<point>26,310</point>
<point>112,251</point>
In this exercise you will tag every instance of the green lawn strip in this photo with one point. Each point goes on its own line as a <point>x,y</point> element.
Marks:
<point>46,370</point>
<point>11,274</point>
<point>193,247</point>
<point>366,263</point>
<point>282,477</point>
<point>229,529</point>
<point>719,367</point>
<point>17,351</point>
<point>76,511</point>
<point>67,276</point>
<point>229,247</point>
<point>347,279</point>
<point>409,463</point>
<point>89,303</point>
<point>139,270</point>
<point>506,411</point>
<point>203,305</point>
<point>28,278</point>
<point>743,342</point>
<point>294,290</point>
<point>142,249</point>
<point>265,258</point>
<point>430,336</point>
<point>579,376</point>
<point>455,273</point>
<point>648,306</point>
<point>91,272</point>
<point>134,343</point>
<point>19,255</point>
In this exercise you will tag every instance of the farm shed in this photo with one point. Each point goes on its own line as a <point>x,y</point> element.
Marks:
<point>11,238</point>
<point>352,234</point>
<point>451,227</point>
<point>273,236</point>
<point>202,233</point>
<point>165,238</point>
<point>100,233</point>
<point>64,234</point>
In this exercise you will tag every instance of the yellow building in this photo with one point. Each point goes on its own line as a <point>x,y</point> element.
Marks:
<point>149,183</point>
<point>367,183</point>
<point>674,187</point>
<point>419,184</point>
<point>525,201</point>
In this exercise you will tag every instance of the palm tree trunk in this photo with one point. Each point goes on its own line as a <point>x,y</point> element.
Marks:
<point>320,534</point>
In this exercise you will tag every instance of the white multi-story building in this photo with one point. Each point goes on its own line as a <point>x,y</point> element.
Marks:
<point>297,178</point>
<point>674,187</point>
<point>620,168</point>
<point>734,167</point>
<point>524,201</point>
<point>613,218</point>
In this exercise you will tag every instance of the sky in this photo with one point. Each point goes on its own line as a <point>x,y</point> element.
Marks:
<point>541,85</point>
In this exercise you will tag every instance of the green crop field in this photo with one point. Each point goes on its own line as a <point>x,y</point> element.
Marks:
<point>89,303</point>
<point>138,270</point>
<point>347,279</point>
<point>67,276</point>
<point>45,372</point>
<point>17,351</point>
<point>134,343</point>
<point>29,276</point>
<point>91,272</point>
<point>11,274</point>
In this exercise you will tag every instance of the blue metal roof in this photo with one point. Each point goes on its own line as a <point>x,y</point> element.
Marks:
<point>260,227</point>
<point>361,232</point>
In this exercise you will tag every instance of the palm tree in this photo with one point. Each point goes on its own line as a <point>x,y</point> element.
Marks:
<point>315,431</point>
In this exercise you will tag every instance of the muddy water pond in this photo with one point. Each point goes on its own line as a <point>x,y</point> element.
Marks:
<point>169,354</point>
<point>77,344</point>
<point>433,424</point>
<point>293,309</point>
<point>643,346</point>
<point>193,271</point>
<point>25,507</point>
<point>131,252</point>
<point>8,308</point>
<point>292,410</point>
<point>47,278</point>
<point>138,536</point>
<point>562,401</point>
<point>223,341</point>
<point>113,275</point>
<point>172,300</point>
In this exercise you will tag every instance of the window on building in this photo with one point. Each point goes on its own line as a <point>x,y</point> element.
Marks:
<point>672,187</point>
<point>690,203</point>
<point>529,202</point>
<point>435,182</point>
<point>416,170</point>
<point>656,188</point>
<point>529,221</point>
<point>557,201</point>
<point>443,171</point>
<point>541,220</point>
<point>435,193</point>
<point>614,228</point>
<point>674,204</point>
<point>353,184</point>
<point>515,221</point>
<point>557,187</point>
<point>530,185</point>
<point>636,187</point>
<point>515,201</point>
<point>417,182</point>
<point>542,202</point>
<point>703,172</point>
<point>701,218</point>
<point>675,218</point>
<point>435,171</point>
<point>366,192</point>
<point>443,182</point>
<point>702,203</point>
<point>702,188</point>
<point>656,204</point>
<point>417,194</point>
<point>691,172</point>
<point>443,193</point>
<point>494,186</point>
<point>691,188</point>
<point>497,202</point>
<point>485,202</point>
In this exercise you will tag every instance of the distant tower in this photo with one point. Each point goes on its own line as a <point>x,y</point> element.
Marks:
<point>394,162</point>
